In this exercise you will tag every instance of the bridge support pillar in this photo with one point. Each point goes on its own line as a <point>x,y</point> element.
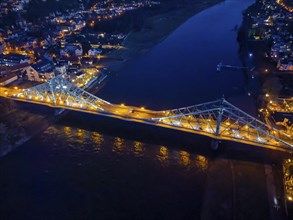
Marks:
<point>58,112</point>
<point>215,144</point>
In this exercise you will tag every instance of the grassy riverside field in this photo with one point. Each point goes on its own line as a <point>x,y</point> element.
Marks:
<point>156,28</point>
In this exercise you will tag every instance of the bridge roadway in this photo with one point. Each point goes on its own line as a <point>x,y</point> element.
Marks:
<point>201,125</point>
<point>218,119</point>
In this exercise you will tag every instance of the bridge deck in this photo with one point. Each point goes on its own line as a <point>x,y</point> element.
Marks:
<point>207,127</point>
<point>219,119</point>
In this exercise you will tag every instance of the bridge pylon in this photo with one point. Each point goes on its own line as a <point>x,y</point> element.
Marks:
<point>218,119</point>
<point>60,92</point>
<point>222,120</point>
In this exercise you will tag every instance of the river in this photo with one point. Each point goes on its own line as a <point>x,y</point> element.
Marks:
<point>181,70</point>
<point>77,171</point>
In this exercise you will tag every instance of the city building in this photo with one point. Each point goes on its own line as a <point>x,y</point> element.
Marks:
<point>2,46</point>
<point>41,71</point>
<point>13,59</point>
<point>8,79</point>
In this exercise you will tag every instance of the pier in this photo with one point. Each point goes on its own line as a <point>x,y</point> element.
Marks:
<point>220,66</point>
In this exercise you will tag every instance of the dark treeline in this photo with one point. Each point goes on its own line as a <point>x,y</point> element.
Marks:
<point>132,20</point>
<point>38,8</point>
<point>135,20</point>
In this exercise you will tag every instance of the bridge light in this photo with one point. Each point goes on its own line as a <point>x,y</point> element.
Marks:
<point>142,108</point>
<point>261,140</point>
<point>210,130</point>
<point>122,104</point>
<point>177,123</point>
<point>236,134</point>
<point>196,127</point>
<point>15,87</point>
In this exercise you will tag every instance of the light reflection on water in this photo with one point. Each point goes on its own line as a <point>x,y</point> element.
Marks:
<point>97,139</point>
<point>138,148</point>
<point>81,141</point>
<point>184,158</point>
<point>118,145</point>
<point>163,156</point>
<point>202,162</point>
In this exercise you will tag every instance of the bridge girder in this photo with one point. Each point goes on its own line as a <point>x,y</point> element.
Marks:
<point>59,90</point>
<point>219,119</point>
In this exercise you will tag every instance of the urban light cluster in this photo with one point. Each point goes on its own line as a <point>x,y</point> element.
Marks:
<point>288,179</point>
<point>287,7</point>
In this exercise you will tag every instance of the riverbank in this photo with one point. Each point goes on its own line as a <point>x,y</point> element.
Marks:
<point>273,83</point>
<point>156,28</point>
<point>23,121</point>
<point>257,50</point>
<point>19,126</point>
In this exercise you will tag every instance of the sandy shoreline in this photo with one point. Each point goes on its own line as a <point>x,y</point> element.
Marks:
<point>155,30</point>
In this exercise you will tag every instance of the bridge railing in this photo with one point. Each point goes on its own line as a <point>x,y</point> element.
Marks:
<point>218,118</point>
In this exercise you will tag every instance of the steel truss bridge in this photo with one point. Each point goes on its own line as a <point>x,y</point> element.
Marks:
<point>218,119</point>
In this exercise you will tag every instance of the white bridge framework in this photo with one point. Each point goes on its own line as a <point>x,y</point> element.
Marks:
<point>61,91</point>
<point>218,119</point>
<point>223,119</point>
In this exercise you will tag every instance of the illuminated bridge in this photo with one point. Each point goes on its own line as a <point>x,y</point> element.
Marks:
<point>219,119</point>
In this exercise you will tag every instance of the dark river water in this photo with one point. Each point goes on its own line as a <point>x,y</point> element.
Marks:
<point>181,70</point>
<point>77,171</point>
